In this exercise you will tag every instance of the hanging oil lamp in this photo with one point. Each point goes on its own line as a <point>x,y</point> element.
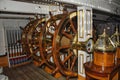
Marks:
<point>104,51</point>
<point>116,40</point>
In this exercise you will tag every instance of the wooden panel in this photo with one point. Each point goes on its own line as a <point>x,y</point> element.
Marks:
<point>104,58</point>
<point>118,53</point>
<point>3,61</point>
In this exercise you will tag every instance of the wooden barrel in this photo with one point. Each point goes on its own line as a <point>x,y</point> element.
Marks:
<point>104,58</point>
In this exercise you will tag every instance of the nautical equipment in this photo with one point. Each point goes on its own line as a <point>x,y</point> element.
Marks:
<point>104,51</point>
<point>116,40</point>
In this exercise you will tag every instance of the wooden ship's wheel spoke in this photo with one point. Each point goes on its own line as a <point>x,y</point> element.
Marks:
<point>67,35</point>
<point>73,63</point>
<point>72,26</point>
<point>67,58</point>
<point>36,50</point>
<point>63,47</point>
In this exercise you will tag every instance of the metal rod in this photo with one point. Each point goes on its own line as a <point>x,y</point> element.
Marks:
<point>11,41</point>
<point>17,42</point>
<point>20,45</point>
<point>8,41</point>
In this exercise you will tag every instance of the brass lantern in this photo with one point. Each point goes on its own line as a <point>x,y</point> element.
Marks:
<point>116,40</point>
<point>104,51</point>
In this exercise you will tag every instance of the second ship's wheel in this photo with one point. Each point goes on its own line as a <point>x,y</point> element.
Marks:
<point>33,39</point>
<point>24,42</point>
<point>64,46</point>
<point>46,40</point>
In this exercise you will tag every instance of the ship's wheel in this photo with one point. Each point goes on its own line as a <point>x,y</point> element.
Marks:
<point>33,39</point>
<point>24,42</point>
<point>65,46</point>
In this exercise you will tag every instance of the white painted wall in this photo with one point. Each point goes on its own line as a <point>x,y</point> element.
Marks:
<point>2,40</point>
<point>9,24</point>
<point>22,7</point>
<point>109,6</point>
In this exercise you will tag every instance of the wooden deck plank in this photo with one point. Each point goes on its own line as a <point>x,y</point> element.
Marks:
<point>8,73</point>
<point>23,75</point>
<point>27,72</point>
<point>36,73</point>
<point>42,72</point>
<point>16,74</point>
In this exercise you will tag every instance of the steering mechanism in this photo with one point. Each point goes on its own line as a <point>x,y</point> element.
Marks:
<point>90,45</point>
<point>85,46</point>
